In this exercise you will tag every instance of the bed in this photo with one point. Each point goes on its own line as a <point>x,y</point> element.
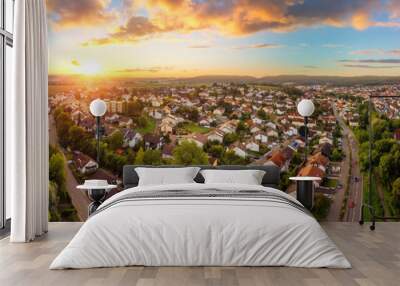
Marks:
<point>201,224</point>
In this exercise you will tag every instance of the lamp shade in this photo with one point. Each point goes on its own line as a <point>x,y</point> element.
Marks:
<point>98,107</point>
<point>305,107</point>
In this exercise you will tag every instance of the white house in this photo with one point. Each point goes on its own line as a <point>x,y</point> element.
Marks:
<point>261,137</point>
<point>131,138</point>
<point>253,146</point>
<point>216,136</point>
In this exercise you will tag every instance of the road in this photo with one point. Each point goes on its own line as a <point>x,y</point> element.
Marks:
<point>79,199</point>
<point>338,197</point>
<point>355,194</point>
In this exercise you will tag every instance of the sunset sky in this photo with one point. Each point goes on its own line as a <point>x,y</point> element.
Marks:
<point>182,38</point>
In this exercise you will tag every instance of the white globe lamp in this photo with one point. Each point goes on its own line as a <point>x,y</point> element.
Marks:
<point>306,108</point>
<point>98,107</point>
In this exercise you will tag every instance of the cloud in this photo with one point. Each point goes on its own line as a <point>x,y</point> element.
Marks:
<point>147,69</point>
<point>393,6</point>
<point>310,67</point>
<point>367,52</point>
<point>200,46</point>
<point>137,27</point>
<point>394,52</point>
<point>370,67</point>
<point>373,61</point>
<point>258,46</point>
<point>79,13</point>
<point>333,46</point>
<point>75,62</point>
<point>237,17</point>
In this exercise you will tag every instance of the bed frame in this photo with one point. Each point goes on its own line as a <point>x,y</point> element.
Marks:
<point>271,177</point>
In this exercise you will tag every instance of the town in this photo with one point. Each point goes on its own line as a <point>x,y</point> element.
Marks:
<point>218,123</point>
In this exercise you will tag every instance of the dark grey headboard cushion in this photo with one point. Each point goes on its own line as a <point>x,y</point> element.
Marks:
<point>270,179</point>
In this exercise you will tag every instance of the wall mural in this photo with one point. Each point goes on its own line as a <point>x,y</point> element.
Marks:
<point>218,82</point>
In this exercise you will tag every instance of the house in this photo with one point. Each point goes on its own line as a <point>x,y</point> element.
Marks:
<point>255,129</point>
<point>155,114</point>
<point>152,141</point>
<point>112,118</point>
<point>167,150</point>
<point>219,111</point>
<point>319,160</point>
<point>125,122</point>
<point>166,127</point>
<point>311,171</point>
<point>198,138</point>
<point>278,159</point>
<point>239,149</point>
<point>205,122</point>
<point>131,138</point>
<point>216,135</point>
<point>287,153</point>
<point>253,146</point>
<point>324,140</point>
<point>84,163</point>
<point>272,133</point>
<point>261,137</point>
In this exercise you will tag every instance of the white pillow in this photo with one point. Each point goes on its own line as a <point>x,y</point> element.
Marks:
<point>248,177</point>
<point>166,176</point>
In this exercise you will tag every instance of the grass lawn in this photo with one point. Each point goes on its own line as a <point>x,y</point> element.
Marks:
<point>149,128</point>
<point>194,128</point>
<point>330,183</point>
<point>376,202</point>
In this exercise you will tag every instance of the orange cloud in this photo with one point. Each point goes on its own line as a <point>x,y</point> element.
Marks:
<point>239,17</point>
<point>79,13</point>
<point>360,20</point>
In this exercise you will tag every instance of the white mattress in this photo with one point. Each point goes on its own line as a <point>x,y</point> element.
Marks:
<point>200,232</point>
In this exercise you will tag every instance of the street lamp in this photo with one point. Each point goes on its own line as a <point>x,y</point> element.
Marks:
<point>305,108</point>
<point>98,108</point>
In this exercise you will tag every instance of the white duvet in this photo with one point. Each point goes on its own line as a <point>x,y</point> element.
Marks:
<point>200,231</point>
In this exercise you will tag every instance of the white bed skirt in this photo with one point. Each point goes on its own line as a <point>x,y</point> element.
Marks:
<point>200,232</point>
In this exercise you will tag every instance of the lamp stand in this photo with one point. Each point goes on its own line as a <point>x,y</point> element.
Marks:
<point>98,139</point>
<point>305,139</point>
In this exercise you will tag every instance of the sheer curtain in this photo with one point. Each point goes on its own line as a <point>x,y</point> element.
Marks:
<point>27,124</point>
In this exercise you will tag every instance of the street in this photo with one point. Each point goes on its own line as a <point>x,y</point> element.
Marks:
<point>355,194</point>
<point>79,199</point>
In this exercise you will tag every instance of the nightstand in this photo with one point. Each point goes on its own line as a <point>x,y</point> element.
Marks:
<point>96,191</point>
<point>305,190</point>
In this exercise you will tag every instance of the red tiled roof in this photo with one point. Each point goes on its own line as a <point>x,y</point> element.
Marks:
<point>311,171</point>
<point>278,158</point>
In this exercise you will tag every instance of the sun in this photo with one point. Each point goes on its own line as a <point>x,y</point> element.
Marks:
<point>90,68</point>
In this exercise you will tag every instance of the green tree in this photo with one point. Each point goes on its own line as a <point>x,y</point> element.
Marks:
<point>77,136</point>
<point>230,158</point>
<point>56,169</point>
<point>115,140</point>
<point>230,138</point>
<point>321,206</point>
<point>139,158</point>
<point>396,194</point>
<point>187,153</point>
<point>336,155</point>
<point>216,151</point>
<point>242,128</point>
<point>262,114</point>
<point>63,124</point>
<point>54,200</point>
<point>152,157</point>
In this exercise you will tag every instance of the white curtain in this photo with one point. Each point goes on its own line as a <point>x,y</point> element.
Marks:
<point>27,124</point>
